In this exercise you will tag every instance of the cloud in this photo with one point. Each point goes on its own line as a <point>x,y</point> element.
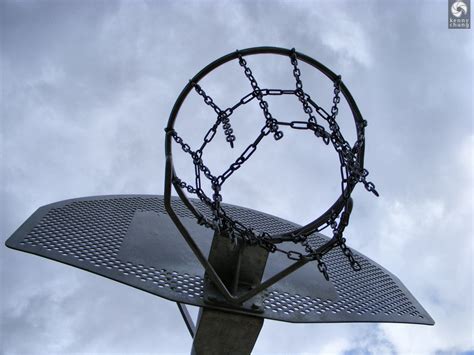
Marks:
<point>347,38</point>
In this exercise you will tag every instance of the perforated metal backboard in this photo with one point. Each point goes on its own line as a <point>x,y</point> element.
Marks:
<point>131,239</point>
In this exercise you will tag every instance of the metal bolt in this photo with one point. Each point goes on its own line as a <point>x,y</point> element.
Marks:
<point>255,306</point>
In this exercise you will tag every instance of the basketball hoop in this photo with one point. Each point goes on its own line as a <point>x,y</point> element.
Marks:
<point>351,157</point>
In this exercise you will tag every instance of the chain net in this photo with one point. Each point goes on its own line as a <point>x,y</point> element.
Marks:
<point>351,171</point>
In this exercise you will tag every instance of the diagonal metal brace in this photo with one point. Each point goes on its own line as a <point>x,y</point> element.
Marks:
<point>187,318</point>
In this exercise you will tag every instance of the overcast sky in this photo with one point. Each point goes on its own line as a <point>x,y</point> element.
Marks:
<point>87,87</point>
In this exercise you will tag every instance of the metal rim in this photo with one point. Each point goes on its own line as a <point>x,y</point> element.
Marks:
<point>339,204</point>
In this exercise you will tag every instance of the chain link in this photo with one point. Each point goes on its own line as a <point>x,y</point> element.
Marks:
<point>222,116</point>
<point>318,130</point>
<point>271,122</point>
<point>348,253</point>
<point>323,269</point>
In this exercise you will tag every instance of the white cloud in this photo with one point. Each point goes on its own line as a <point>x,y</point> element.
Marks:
<point>349,40</point>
